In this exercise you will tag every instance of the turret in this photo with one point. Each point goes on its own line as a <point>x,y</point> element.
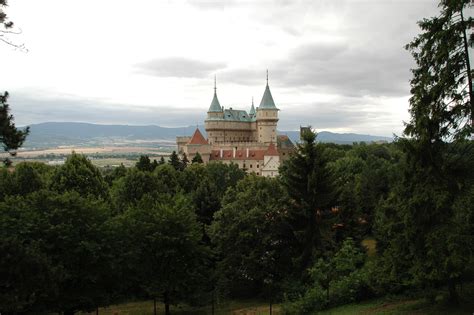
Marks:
<point>215,115</point>
<point>267,118</point>
<point>215,110</point>
<point>252,112</point>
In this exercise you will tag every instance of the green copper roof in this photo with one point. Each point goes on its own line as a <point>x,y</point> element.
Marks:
<point>236,115</point>
<point>252,110</point>
<point>267,100</point>
<point>215,106</point>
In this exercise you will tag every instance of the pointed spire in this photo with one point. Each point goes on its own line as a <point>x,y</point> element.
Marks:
<point>267,99</point>
<point>215,105</point>
<point>252,109</point>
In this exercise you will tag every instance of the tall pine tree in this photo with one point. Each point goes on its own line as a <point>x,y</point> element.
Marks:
<point>423,223</point>
<point>306,178</point>
<point>442,102</point>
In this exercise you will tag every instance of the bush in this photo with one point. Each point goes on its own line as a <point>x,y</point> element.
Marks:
<point>343,278</point>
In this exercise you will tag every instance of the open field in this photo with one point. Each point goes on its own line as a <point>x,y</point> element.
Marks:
<point>105,156</point>
<point>106,150</point>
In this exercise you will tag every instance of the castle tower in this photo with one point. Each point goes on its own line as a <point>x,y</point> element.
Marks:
<point>215,110</point>
<point>214,115</point>
<point>267,118</point>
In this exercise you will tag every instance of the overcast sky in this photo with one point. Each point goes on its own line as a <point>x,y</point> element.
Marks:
<point>336,65</point>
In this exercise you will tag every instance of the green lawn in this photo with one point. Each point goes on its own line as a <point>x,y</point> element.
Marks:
<point>406,306</point>
<point>389,306</point>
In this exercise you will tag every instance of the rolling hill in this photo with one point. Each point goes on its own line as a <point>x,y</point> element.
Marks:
<point>56,134</point>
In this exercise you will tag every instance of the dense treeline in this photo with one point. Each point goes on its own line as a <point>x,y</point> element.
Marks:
<point>74,238</point>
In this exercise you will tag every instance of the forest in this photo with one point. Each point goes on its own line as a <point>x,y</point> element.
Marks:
<point>75,238</point>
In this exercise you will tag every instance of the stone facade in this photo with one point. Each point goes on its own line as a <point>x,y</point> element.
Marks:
<point>249,140</point>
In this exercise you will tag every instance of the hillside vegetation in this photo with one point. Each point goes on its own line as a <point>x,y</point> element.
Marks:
<point>320,235</point>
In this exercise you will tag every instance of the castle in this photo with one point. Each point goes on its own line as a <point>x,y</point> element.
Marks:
<point>249,140</point>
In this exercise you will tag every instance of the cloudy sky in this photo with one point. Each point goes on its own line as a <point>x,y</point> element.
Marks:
<point>338,65</point>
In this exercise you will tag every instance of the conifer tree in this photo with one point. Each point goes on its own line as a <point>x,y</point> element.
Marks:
<point>306,177</point>
<point>162,161</point>
<point>184,161</point>
<point>144,164</point>
<point>442,102</point>
<point>429,243</point>
<point>174,161</point>
<point>197,158</point>
<point>10,137</point>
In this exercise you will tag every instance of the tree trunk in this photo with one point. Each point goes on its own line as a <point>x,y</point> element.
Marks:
<point>468,66</point>
<point>69,312</point>
<point>271,307</point>
<point>453,294</point>
<point>166,300</point>
<point>97,311</point>
<point>154,306</point>
<point>212,306</point>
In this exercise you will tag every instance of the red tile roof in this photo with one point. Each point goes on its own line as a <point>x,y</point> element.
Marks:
<point>271,151</point>
<point>254,155</point>
<point>198,138</point>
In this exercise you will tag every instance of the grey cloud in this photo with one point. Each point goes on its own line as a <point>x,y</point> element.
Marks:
<point>335,68</point>
<point>29,110</point>
<point>348,71</point>
<point>179,67</point>
<point>366,56</point>
<point>319,51</point>
<point>244,76</point>
<point>352,114</point>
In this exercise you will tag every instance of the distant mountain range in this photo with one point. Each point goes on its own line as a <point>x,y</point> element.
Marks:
<point>55,134</point>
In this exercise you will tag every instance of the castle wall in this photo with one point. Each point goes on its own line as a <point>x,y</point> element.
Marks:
<point>203,150</point>
<point>222,131</point>
<point>181,142</point>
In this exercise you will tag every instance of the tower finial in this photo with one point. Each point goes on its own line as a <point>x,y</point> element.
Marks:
<point>252,100</point>
<point>215,84</point>
<point>267,77</point>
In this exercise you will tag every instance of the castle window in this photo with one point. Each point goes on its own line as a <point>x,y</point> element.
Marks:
<point>250,165</point>
<point>258,166</point>
<point>258,173</point>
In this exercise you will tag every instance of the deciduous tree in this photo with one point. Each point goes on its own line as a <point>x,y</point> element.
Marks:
<point>164,244</point>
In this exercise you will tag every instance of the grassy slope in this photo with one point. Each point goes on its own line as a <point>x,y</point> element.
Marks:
<point>230,307</point>
<point>408,306</point>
